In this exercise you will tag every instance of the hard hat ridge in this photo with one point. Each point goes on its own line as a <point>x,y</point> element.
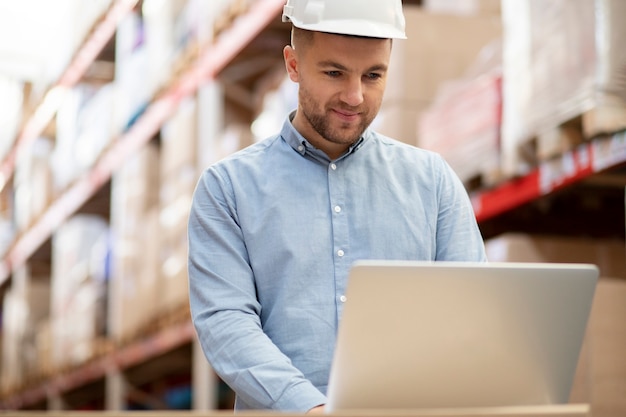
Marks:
<point>371,18</point>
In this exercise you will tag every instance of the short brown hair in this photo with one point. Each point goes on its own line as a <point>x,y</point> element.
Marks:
<point>300,37</point>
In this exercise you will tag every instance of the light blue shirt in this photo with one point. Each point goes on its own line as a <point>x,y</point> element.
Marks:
<point>273,231</point>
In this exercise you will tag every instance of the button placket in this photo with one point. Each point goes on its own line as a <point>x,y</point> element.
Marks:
<point>337,184</point>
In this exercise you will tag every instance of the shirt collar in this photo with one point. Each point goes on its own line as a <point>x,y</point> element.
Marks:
<point>302,146</point>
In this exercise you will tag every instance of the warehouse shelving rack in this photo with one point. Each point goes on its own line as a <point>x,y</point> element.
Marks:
<point>208,65</point>
<point>598,156</point>
<point>45,111</point>
<point>205,67</point>
<point>134,354</point>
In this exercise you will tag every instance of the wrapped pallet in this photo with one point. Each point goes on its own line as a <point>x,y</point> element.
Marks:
<point>463,123</point>
<point>25,306</point>
<point>79,281</point>
<point>134,225</point>
<point>32,183</point>
<point>178,170</point>
<point>14,103</point>
<point>83,132</point>
<point>439,47</point>
<point>563,62</point>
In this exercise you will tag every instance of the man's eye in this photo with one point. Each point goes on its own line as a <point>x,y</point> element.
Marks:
<point>373,76</point>
<point>333,73</point>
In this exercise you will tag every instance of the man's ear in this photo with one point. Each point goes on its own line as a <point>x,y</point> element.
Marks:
<point>291,62</point>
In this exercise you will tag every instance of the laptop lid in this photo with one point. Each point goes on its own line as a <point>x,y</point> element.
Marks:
<point>441,335</point>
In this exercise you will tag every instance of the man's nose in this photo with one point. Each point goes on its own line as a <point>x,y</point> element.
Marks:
<point>353,92</point>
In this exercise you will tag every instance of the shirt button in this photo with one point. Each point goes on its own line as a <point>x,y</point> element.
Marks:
<point>343,298</point>
<point>337,209</point>
<point>340,252</point>
<point>300,148</point>
<point>333,167</point>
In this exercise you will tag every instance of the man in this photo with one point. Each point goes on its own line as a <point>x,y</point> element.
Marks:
<point>275,227</point>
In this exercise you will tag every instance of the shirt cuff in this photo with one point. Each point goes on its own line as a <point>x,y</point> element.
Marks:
<point>300,398</point>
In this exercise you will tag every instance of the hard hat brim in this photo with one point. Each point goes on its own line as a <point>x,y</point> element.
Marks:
<point>347,27</point>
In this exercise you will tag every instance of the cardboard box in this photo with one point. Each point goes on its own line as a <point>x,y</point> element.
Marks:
<point>601,375</point>
<point>399,121</point>
<point>439,47</point>
<point>608,254</point>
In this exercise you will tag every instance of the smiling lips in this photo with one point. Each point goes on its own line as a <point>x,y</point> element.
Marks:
<point>346,115</point>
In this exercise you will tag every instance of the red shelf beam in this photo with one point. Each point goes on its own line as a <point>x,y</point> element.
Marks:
<point>133,354</point>
<point>589,158</point>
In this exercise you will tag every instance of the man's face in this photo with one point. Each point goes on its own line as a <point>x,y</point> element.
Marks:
<point>341,84</point>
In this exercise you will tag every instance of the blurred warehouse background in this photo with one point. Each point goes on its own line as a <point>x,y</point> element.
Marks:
<point>110,109</point>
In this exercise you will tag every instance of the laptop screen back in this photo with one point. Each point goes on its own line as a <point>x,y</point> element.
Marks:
<point>440,335</point>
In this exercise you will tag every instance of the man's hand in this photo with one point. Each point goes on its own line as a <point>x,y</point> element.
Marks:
<point>316,410</point>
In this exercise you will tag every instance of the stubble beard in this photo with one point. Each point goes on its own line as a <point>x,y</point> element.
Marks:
<point>343,134</point>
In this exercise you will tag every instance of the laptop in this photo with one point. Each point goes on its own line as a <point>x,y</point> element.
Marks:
<point>424,335</point>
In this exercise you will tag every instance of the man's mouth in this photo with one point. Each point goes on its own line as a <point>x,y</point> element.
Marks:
<point>346,115</point>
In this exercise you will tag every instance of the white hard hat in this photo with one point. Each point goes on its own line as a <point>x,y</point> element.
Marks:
<point>371,18</point>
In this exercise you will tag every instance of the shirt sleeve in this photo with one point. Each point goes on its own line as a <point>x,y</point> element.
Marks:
<point>458,236</point>
<point>225,309</point>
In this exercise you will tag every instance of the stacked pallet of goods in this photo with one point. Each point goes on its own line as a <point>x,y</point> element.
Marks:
<point>440,47</point>
<point>556,81</point>
<point>562,83</point>
<point>114,267</point>
<point>564,77</point>
<point>52,318</point>
<point>463,124</point>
